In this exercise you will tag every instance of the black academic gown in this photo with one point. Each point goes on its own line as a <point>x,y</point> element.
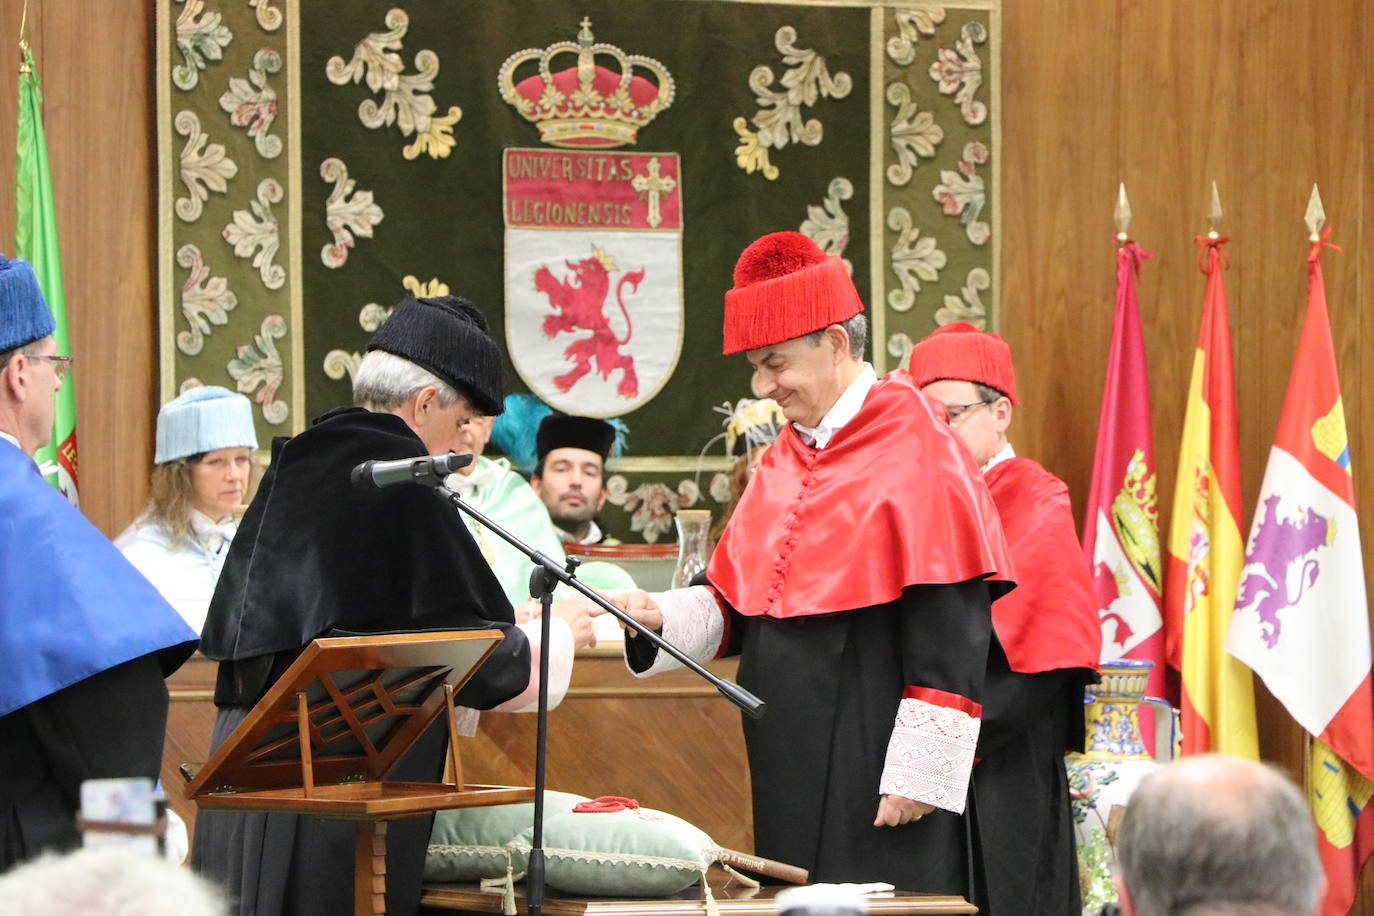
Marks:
<point>1019,792</point>
<point>832,684</point>
<point>315,554</point>
<point>110,725</point>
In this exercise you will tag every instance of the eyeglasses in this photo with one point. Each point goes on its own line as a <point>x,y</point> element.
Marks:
<point>61,365</point>
<point>958,411</point>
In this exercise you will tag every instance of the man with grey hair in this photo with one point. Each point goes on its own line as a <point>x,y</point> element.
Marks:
<point>315,554</point>
<point>1215,835</point>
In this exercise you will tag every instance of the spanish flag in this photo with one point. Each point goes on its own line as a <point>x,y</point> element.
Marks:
<point>1206,551</point>
<point>1301,618</point>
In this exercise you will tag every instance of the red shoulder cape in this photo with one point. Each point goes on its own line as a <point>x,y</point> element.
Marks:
<point>893,500</point>
<point>1050,621</point>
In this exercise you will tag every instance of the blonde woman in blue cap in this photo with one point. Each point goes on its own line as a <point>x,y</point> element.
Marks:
<point>204,453</point>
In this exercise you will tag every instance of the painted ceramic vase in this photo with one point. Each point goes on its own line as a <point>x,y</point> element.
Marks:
<point>1112,765</point>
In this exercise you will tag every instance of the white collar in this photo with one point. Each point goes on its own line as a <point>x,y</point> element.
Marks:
<point>211,533</point>
<point>11,440</point>
<point>1006,454</point>
<point>485,472</point>
<point>593,535</point>
<point>845,408</point>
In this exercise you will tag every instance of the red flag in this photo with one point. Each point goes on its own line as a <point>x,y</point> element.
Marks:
<point>1205,548</point>
<point>1121,526</point>
<point>1301,618</point>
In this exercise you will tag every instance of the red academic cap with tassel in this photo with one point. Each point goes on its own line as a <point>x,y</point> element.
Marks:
<point>786,287</point>
<point>961,352</point>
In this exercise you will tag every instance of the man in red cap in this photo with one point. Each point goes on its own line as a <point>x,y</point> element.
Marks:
<point>1048,639</point>
<point>854,580</point>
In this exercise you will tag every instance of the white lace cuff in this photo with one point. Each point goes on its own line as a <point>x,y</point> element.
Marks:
<point>930,754</point>
<point>693,621</point>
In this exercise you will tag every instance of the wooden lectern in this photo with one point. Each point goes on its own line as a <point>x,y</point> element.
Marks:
<point>325,735</point>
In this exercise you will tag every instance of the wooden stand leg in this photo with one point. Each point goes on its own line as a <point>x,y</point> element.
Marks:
<point>369,868</point>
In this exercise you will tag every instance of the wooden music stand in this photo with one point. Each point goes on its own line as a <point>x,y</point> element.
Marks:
<point>326,733</point>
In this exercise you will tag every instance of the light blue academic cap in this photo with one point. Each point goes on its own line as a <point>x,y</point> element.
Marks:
<point>24,313</point>
<point>203,419</point>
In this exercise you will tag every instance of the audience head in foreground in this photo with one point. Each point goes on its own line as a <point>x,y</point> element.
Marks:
<point>106,880</point>
<point>1214,835</point>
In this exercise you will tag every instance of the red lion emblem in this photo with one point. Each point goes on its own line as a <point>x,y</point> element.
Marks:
<point>579,305</point>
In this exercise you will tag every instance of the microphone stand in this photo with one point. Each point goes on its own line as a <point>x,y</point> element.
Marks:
<point>544,579</point>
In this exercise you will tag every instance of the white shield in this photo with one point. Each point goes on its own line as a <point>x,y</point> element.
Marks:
<point>594,316</point>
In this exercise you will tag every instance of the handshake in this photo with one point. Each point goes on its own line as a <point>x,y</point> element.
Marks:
<point>578,612</point>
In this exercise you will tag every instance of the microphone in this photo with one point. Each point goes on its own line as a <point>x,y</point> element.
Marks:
<point>429,470</point>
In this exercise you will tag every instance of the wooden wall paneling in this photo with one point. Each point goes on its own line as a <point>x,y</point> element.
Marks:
<point>95,64</point>
<point>1059,127</point>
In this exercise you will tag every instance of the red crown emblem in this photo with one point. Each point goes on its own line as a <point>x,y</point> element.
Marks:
<point>588,104</point>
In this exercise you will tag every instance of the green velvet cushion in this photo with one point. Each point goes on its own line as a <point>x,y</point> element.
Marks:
<point>629,853</point>
<point>469,844</point>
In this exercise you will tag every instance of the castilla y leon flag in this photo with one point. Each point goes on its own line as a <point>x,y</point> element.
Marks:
<point>35,240</point>
<point>1301,618</point>
<point>1121,526</point>
<point>1205,551</point>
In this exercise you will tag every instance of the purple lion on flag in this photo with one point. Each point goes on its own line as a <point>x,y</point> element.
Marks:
<point>1276,546</point>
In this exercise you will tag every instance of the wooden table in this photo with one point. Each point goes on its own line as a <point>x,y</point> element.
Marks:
<point>733,899</point>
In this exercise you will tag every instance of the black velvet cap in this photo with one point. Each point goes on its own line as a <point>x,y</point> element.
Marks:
<point>562,431</point>
<point>447,335</point>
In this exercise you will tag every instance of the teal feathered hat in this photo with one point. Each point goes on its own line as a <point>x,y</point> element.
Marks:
<point>528,428</point>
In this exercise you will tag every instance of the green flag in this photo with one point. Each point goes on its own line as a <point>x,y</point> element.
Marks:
<point>35,240</point>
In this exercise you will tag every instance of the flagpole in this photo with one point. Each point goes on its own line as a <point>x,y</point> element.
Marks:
<point>1315,218</point>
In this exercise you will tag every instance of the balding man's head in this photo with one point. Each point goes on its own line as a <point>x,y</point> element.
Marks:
<point>1214,834</point>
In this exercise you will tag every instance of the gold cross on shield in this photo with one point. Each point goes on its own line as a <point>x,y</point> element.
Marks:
<point>651,186</point>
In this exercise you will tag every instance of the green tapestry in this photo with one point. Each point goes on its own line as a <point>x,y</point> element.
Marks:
<point>586,173</point>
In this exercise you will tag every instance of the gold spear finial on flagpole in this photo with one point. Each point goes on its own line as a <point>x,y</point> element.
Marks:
<point>1122,214</point>
<point>1316,216</point>
<point>23,41</point>
<point>1214,214</point>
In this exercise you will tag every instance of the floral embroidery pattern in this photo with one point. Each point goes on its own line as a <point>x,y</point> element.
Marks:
<point>346,213</point>
<point>205,300</point>
<point>269,17</point>
<point>911,25</point>
<point>338,363</point>
<point>252,103</point>
<point>968,305</point>
<point>959,72</point>
<point>913,259</point>
<point>651,504</point>
<point>719,488</point>
<point>778,120</point>
<point>205,167</point>
<point>258,230</point>
<point>201,38</point>
<point>962,193</point>
<point>828,224</point>
<point>913,134</point>
<point>260,370</point>
<point>190,383</point>
<point>406,102</point>
<point>899,347</point>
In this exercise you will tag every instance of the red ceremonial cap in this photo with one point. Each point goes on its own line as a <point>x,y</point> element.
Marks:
<point>961,352</point>
<point>786,287</point>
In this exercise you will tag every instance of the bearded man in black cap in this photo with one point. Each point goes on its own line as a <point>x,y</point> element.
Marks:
<point>315,554</point>
<point>571,474</point>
